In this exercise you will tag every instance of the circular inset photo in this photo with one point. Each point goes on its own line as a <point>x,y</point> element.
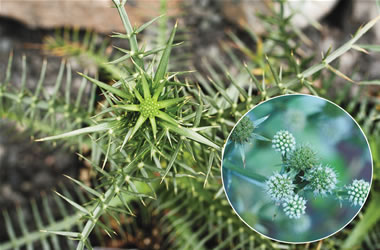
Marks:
<point>297,168</point>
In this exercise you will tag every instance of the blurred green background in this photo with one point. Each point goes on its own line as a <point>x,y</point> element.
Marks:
<point>339,143</point>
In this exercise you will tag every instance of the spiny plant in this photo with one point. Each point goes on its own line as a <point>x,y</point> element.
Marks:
<point>41,112</point>
<point>300,173</point>
<point>243,134</point>
<point>301,158</point>
<point>148,94</point>
<point>238,97</point>
<point>195,213</point>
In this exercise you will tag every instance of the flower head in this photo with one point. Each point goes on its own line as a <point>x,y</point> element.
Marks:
<point>283,142</point>
<point>294,206</point>
<point>302,158</point>
<point>322,180</point>
<point>358,191</point>
<point>280,186</point>
<point>243,131</point>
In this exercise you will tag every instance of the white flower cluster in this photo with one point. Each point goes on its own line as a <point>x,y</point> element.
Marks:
<point>322,180</point>
<point>283,142</point>
<point>294,206</point>
<point>280,186</point>
<point>358,191</point>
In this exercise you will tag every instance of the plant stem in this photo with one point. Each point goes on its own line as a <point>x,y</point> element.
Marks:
<point>244,172</point>
<point>108,196</point>
<point>132,36</point>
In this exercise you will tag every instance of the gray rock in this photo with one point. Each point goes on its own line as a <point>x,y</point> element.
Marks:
<point>97,15</point>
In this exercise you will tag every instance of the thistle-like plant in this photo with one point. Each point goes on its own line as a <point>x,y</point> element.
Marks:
<point>142,96</point>
<point>302,158</point>
<point>280,187</point>
<point>322,180</point>
<point>243,133</point>
<point>294,206</point>
<point>358,191</point>
<point>301,172</point>
<point>283,142</point>
<point>146,111</point>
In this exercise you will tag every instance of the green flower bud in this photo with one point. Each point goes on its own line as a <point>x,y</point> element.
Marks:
<point>302,158</point>
<point>294,206</point>
<point>283,142</point>
<point>243,131</point>
<point>358,192</point>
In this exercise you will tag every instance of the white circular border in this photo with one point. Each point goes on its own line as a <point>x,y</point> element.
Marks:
<point>289,242</point>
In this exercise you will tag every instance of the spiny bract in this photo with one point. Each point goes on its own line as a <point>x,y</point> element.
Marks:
<point>322,180</point>
<point>358,191</point>
<point>242,133</point>
<point>283,142</point>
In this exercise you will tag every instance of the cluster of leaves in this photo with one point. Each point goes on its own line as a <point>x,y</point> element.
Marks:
<point>147,130</point>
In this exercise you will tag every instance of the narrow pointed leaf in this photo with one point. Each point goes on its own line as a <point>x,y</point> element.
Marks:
<point>253,77</point>
<point>145,86</point>
<point>189,134</point>
<point>87,130</point>
<point>170,102</point>
<point>159,49</point>
<point>257,122</point>
<point>142,27</point>
<point>8,70</point>
<point>88,244</point>
<point>138,96</point>
<point>120,59</point>
<point>105,86</point>
<point>167,118</point>
<point>74,204</point>
<point>172,159</point>
<point>273,71</point>
<point>138,124</point>
<point>63,233</point>
<point>241,90</point>
<point>85,187</point>
<point>374,82</point>
<point>126,138</point>
<point>163,65</point>
<point>204,128</point>
<point>94,166</point>
<point>129,107</point>
<point>260,137</point>
<point>339,73</point>
<point>159,88</point>
<point>154,126</point>
<point>210,161</point>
